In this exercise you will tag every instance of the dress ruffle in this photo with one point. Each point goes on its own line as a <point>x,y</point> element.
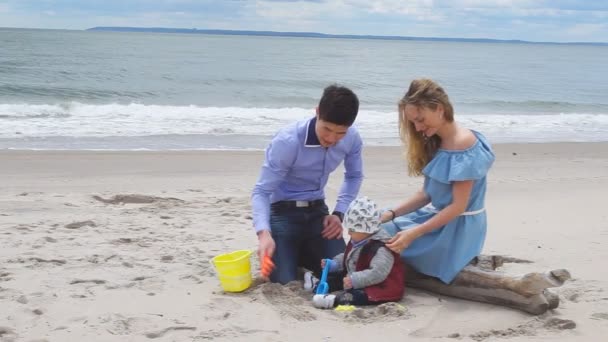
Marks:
<point>458,165</point>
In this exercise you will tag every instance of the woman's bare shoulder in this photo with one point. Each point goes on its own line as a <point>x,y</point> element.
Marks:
<point>465,138</point>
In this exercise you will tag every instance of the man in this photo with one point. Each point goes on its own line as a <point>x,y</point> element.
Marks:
<point>290,216</point>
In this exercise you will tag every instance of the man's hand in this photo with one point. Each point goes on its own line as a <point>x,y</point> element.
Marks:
<point>332,227</point>
<point>266,244</point>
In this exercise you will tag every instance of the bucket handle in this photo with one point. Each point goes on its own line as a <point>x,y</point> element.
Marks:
<point>211,260</point>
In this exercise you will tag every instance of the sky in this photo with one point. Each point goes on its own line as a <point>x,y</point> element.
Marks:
<point>532,20</point>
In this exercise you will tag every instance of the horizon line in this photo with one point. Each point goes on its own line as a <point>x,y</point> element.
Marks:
<point>305,34</point>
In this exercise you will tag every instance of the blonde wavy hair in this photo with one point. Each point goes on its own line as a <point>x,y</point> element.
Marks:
<point>423,93</point>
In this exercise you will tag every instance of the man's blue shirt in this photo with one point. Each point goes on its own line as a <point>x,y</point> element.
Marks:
<point>297,167</point>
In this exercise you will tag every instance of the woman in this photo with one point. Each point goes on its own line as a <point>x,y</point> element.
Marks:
<point>441,239</point>
<point>442,228</point>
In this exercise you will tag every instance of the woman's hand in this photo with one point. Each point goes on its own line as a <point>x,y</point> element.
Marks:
<point>386,216</point>
<point>402,240</point>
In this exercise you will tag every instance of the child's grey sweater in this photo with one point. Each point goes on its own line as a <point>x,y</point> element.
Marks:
<point>380,266</point>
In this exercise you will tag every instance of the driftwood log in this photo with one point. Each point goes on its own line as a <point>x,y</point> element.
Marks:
<point>481,282</point>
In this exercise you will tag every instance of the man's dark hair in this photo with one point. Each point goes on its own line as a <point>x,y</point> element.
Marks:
<point>338,105</point>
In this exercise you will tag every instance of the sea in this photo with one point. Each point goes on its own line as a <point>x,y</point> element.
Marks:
<point>90,90</point>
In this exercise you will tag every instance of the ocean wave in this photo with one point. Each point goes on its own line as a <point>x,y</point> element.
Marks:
<point>34,116</point>
<point>537,106</point>
<point>56,92</point>
<point>25,111</point>
<point>172,124</point>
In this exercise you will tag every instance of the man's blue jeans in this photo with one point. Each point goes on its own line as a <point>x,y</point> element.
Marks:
<point>297,235</point>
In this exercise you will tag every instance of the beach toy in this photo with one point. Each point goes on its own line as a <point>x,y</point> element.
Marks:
<point>322,286</point>
<point>267,266</point>
<point>345,308</point>
<point>233,270</point>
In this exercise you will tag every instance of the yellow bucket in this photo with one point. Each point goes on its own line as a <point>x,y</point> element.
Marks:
<point>234,270</point>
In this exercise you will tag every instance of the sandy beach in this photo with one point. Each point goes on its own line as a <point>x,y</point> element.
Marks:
<point>78,264</point>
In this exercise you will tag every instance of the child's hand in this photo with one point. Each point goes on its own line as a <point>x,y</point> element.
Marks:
<point>323,263</point>
<point>347,283</point>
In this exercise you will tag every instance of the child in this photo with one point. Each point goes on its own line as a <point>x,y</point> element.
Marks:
<point>370,272</point>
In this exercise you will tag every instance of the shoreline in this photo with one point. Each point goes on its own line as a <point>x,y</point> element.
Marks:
<point>499,145</point>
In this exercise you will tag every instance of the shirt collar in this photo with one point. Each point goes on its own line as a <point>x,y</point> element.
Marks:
<point>357,244</point>
<point>312,140</point>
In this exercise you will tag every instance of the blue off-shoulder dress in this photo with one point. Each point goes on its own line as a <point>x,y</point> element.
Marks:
<point>445,251</point>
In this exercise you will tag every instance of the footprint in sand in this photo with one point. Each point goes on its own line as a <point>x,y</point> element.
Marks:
<point>511,332</point>
<point>122,241</point>
<point>582,291</point>
<point>135,199</point>
<point>288,302</point>
<point>530,328</point>
<point>162,333</point>
<point>194,278</point>
<point>224,304</point>
<point>88,281</point>
<point>5,276</point>
<point>600,315</point>
<point>166,258</point>
<point>383,312</point>
<point>555,323</point>
<point>24,227</point>
<point>230,214</point>
<point>80,224</point>
<point>7,333</point>
<point>57,262</point>
<point>117,324</point>
<point>232,333</point>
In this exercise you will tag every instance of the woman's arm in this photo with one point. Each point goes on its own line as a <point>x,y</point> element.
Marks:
<point>417,201</point>
<point>461,191</point>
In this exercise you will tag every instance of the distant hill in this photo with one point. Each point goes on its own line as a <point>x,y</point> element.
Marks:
<point>313,35</point>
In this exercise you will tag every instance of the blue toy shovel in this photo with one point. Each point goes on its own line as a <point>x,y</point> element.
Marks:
<point>323,287</point>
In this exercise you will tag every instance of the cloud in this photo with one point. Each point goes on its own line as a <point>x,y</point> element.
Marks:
<point>303,15</point>
<point>4,8</point>
<point>284,10</point>
<point>582,31</point>
<point>502,19</point>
